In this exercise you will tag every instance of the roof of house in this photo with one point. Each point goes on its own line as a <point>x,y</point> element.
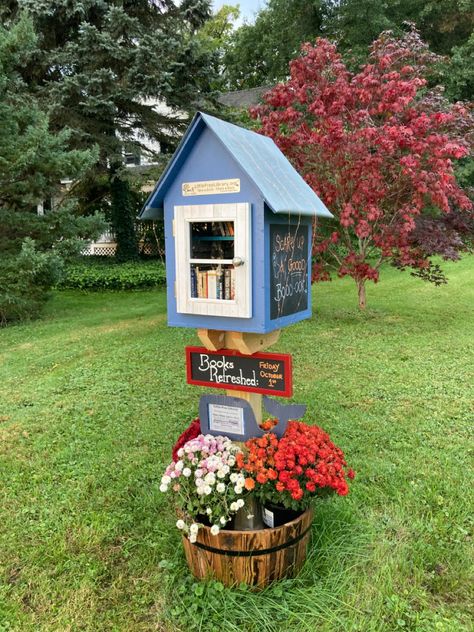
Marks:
<point>283,189</point>
<point>243,98</point>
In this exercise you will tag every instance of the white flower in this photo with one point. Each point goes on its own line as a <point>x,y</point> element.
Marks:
<point>199,482</point>
<point>186,472</point>
<point>194,528</point>
<point>238,489</point>
<point>198,473</point>
<point>163,488</point>
<point>215,529</point>
<point>180,452</point>
<point>220,488</point>
<point>210,478</point>
<point>230,461</point>
<point>207,489</point>
<point>233,506</point>
<point>166,480</point>
<point>192,538</point>
<point>208,511</point>
<point>223,520</point>
<point>200,491</point>
<point>179,466</point>
<point>180,524</point>
<point>250,516</point>
<point>234,477</point>
<point>240,503</point>
<point>221,474</point>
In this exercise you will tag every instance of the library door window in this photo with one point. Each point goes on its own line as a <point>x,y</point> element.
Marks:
<point>213,266</point>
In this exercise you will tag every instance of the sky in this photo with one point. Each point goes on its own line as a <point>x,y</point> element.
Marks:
<point>248,8</point>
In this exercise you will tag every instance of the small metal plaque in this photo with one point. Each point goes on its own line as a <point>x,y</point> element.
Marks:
<point>210,187</point>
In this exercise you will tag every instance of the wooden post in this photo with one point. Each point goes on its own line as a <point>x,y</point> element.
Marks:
<point>246,344</point>
<point>212,339</point>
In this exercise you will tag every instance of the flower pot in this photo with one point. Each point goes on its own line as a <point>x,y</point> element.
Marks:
<point>277,515</point>
<point>252,508</point>
<point>253,557</point>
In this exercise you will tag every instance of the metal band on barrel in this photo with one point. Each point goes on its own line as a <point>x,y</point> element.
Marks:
<point>252,553</point>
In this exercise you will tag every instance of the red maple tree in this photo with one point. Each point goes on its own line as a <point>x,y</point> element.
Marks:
<point>378,147</point>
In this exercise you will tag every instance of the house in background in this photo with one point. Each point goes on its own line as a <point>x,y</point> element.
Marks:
<point>141,161</point>
<point>243,99</point>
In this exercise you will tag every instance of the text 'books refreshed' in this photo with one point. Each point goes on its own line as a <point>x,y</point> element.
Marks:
<point>214,283</point>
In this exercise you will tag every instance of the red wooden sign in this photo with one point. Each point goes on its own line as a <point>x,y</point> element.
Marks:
<point>266,373</point>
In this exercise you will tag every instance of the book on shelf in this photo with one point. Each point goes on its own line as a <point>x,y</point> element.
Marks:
<point>217,283</point>
<point>226,293</point>
<point>212,284</point>
<point>226,229</point>
<point>194,278</point>
<point>202,284</point>
<point>232,284</point>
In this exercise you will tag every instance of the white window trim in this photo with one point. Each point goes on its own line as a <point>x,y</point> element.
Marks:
<point>240,214</point>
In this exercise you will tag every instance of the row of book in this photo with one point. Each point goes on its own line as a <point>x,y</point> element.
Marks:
<point>226,229</point>
<point>214,229</point>
<point>217,283</point>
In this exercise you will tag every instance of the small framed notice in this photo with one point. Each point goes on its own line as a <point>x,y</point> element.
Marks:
<point>227,416</point>
<point>211,187</point>
<point>226,419</point>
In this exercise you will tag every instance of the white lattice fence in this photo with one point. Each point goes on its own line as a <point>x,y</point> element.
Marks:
<point>105,245</point>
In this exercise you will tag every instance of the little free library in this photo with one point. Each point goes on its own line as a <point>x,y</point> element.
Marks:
<point>238,231</point>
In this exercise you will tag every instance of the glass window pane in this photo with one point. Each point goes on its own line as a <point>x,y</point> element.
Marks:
<point>214,282</point>
<point>212,240</point>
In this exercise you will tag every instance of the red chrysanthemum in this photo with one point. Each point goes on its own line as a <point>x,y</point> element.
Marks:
<point>297,466</point>
<point>191,432</point>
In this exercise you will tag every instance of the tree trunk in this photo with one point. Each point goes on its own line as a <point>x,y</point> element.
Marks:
<point>123,217</point>
<point>361,293</point>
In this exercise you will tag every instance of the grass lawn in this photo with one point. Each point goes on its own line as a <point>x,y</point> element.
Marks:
<point>93,395</point>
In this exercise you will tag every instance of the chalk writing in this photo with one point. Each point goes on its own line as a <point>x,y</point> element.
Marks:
<point>289,274</point>
<point>261,373</point>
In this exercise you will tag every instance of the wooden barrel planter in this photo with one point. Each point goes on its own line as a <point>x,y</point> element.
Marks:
<point>253,557</point>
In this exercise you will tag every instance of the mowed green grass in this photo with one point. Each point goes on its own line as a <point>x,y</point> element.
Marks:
<point>93,395</point>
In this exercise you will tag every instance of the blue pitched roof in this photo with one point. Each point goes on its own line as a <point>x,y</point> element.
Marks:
<point>283,189</point>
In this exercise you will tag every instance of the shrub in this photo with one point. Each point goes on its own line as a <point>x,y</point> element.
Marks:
<point>25,279</point>
<point>109,275</point>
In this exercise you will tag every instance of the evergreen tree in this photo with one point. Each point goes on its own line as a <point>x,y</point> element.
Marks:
<point>32,162</point>
<point>102,65</point>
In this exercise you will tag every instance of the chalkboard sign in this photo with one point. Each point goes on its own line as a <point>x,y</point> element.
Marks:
<point>267,373</point>
<point>289,274</point>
